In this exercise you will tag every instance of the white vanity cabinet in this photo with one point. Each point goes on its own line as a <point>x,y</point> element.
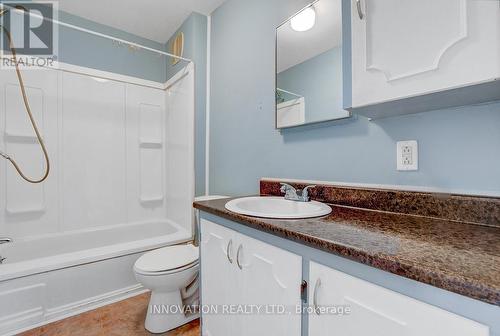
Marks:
<point>375,310</point>
<point>239,272</point>
<point>407,48</point>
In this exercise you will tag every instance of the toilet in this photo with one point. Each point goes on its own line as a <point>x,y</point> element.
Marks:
<point>171,273</point>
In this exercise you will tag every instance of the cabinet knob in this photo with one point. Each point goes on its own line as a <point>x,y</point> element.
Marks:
<point>228,254</point>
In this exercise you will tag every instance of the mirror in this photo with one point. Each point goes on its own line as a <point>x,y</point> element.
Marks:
<point>309,66</point>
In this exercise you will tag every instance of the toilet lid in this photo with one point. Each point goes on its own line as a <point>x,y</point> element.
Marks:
<point>167,258</point>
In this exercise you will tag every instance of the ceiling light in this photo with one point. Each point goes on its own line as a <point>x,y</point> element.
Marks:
<point>304,20</point>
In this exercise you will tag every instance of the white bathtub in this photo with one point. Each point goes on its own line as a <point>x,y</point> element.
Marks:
<point>51,277</point>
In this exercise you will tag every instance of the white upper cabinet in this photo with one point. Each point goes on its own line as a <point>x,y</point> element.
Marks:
<point>407,48</point>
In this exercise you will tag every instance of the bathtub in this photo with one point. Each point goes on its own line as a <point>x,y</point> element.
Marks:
<point>47,278</point>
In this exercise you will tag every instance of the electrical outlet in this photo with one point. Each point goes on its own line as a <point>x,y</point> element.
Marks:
<point>407,155</point>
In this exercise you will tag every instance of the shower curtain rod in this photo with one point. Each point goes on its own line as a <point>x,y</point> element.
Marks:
<point>289,92</point>
<point>109,37</point>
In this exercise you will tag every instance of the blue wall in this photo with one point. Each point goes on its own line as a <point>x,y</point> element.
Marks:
<point>195,48</point>
<point>83,49</point>
<point>459,148</point>
<point>319,80</point>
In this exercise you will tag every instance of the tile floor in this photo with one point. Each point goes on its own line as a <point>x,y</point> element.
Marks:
<point>123,318</point>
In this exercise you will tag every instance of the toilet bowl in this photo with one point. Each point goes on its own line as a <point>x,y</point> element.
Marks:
<point>171,273</point>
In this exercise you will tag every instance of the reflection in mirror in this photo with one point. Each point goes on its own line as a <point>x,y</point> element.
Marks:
<point>309,66</point>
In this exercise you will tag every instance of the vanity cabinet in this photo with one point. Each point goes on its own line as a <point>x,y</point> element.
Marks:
<point>242,270</point>
<point>402,49</point>
<point>239,275</point>
<point>375,310</point>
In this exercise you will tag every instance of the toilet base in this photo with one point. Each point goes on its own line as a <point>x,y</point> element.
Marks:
<point>162,317</point>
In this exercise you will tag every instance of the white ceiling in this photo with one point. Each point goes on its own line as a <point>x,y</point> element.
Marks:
<point>297,47</point>
<point>156,20</point>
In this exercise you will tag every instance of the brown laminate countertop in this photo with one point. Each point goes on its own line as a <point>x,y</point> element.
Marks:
<point>458,257</point>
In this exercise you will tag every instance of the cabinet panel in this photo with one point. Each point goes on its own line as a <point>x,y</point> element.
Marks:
<point>217,278</point>
<point>405,48</point>
<point>377,311</point>
<point>253,280</point>
<point>271,279</point>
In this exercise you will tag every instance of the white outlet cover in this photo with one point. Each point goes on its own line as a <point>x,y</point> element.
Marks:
<point>407,155</point>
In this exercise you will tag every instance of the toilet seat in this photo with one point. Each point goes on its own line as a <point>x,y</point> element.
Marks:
<point>166,260</point>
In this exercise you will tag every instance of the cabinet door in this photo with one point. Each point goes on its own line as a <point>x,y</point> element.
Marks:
<point>377,311</point>
<point>217,278</point>
<point>271,279</point>
<point>405,48</point>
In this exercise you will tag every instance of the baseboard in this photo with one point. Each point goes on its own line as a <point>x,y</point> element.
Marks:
<point>83,306</point>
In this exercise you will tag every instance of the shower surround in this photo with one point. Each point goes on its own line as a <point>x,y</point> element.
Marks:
<point>122,152</point>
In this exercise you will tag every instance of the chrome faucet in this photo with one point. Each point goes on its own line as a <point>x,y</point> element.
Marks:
<point>4,240</point>
<point>292,194</point>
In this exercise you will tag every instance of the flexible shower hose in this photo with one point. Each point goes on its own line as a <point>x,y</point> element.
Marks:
<point>32,120</point>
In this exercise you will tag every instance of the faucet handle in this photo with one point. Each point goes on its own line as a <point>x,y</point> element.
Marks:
<point>305,191</point>
<point>285,187</point>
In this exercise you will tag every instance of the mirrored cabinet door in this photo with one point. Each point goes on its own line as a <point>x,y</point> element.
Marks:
<point>309,66</point>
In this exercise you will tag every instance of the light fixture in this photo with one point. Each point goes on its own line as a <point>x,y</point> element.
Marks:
<point>304,20</point>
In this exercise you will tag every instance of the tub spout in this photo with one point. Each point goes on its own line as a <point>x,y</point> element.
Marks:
<point>5,240</point>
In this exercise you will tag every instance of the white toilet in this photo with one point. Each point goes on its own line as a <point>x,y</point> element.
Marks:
<point>171,274</point>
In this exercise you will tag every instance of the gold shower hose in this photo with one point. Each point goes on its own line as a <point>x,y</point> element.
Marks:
<point>32,120</point>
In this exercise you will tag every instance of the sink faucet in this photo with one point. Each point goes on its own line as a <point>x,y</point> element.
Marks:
<point>4,240</point>
<point>293,194</point>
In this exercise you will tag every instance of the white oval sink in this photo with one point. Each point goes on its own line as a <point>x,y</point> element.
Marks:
<point>277,207</point>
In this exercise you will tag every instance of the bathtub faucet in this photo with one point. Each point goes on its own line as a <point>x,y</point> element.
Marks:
<point>4,241</point>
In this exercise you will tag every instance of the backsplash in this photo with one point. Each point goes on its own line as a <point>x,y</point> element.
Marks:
<point>470,209</point>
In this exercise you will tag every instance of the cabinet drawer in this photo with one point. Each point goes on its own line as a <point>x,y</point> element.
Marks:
<point>377,311</point>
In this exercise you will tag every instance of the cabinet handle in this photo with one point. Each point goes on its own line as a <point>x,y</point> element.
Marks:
<point>238,257</point>
<point>315,296</point>
<point>360,10</point>
<point>227,251</point>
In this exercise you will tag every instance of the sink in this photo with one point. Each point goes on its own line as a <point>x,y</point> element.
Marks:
<point>277,207</point>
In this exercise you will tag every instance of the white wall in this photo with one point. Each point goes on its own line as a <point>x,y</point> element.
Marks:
<point>109,144</point>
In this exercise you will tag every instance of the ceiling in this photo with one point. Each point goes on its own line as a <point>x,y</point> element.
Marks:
<point>297,47</point>
<point>156,20</point>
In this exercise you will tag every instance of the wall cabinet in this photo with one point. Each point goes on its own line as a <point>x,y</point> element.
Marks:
<point>404,48</point>
<point>375,310</point>
<point>240,275</point>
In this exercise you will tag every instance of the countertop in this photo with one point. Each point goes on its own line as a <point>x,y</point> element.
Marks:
<point>458,257</point>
